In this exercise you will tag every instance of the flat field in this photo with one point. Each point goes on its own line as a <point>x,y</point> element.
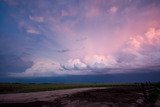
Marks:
<point>33,87</point>
<point>80,95</point>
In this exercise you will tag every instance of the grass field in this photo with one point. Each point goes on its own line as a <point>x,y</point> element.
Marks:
<point>33,87</point>
<point>126,94</point>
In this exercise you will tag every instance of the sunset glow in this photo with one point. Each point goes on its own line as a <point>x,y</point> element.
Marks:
<point>41,38</point>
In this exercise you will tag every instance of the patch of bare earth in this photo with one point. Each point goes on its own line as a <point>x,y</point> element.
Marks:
<point>109,97</point>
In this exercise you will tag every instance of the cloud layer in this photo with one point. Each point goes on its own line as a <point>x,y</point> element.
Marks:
<point>80,37</point>
<point>142,50</point>
<point>136,53</point>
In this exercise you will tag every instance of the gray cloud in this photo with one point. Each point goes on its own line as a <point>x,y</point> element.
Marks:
<point>63,50</point>
<point>81,39</point>
<point>13,63</point>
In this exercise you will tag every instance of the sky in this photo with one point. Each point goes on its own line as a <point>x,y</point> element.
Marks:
<point>51,38</point>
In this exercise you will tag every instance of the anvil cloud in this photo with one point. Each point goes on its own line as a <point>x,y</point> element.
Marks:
<point>79,37</point>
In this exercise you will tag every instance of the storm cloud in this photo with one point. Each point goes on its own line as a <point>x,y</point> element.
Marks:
<point>79,37</point>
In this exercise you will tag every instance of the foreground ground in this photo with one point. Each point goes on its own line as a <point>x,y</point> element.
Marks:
<point>119,96</point>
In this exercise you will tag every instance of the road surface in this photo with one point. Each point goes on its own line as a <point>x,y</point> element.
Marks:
<point>40,96</point>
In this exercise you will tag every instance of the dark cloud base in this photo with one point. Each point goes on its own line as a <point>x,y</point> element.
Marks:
<point>12,63</point>
<point>110,78</point>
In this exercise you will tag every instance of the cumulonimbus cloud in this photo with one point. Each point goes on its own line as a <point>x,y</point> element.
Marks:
<point>90,63</point>
<point>47,67</point>
<point>74,64</point>
<point>138,52</point>
<point>41,68</point>
<point>141,50</point>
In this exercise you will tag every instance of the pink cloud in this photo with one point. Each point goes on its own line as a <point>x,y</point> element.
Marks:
<point>113,9</point>
<point>145,49</point>
<point>124,34</point>
<point>153,36</point>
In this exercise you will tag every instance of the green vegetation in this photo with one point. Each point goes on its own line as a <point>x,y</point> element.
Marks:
<point>154,95</point>
<point>33,87</point>
<point>18,87</point>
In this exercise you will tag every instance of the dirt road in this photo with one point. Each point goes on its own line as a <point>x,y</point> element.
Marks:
<point>80,97</point>
<point>40,96</point>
